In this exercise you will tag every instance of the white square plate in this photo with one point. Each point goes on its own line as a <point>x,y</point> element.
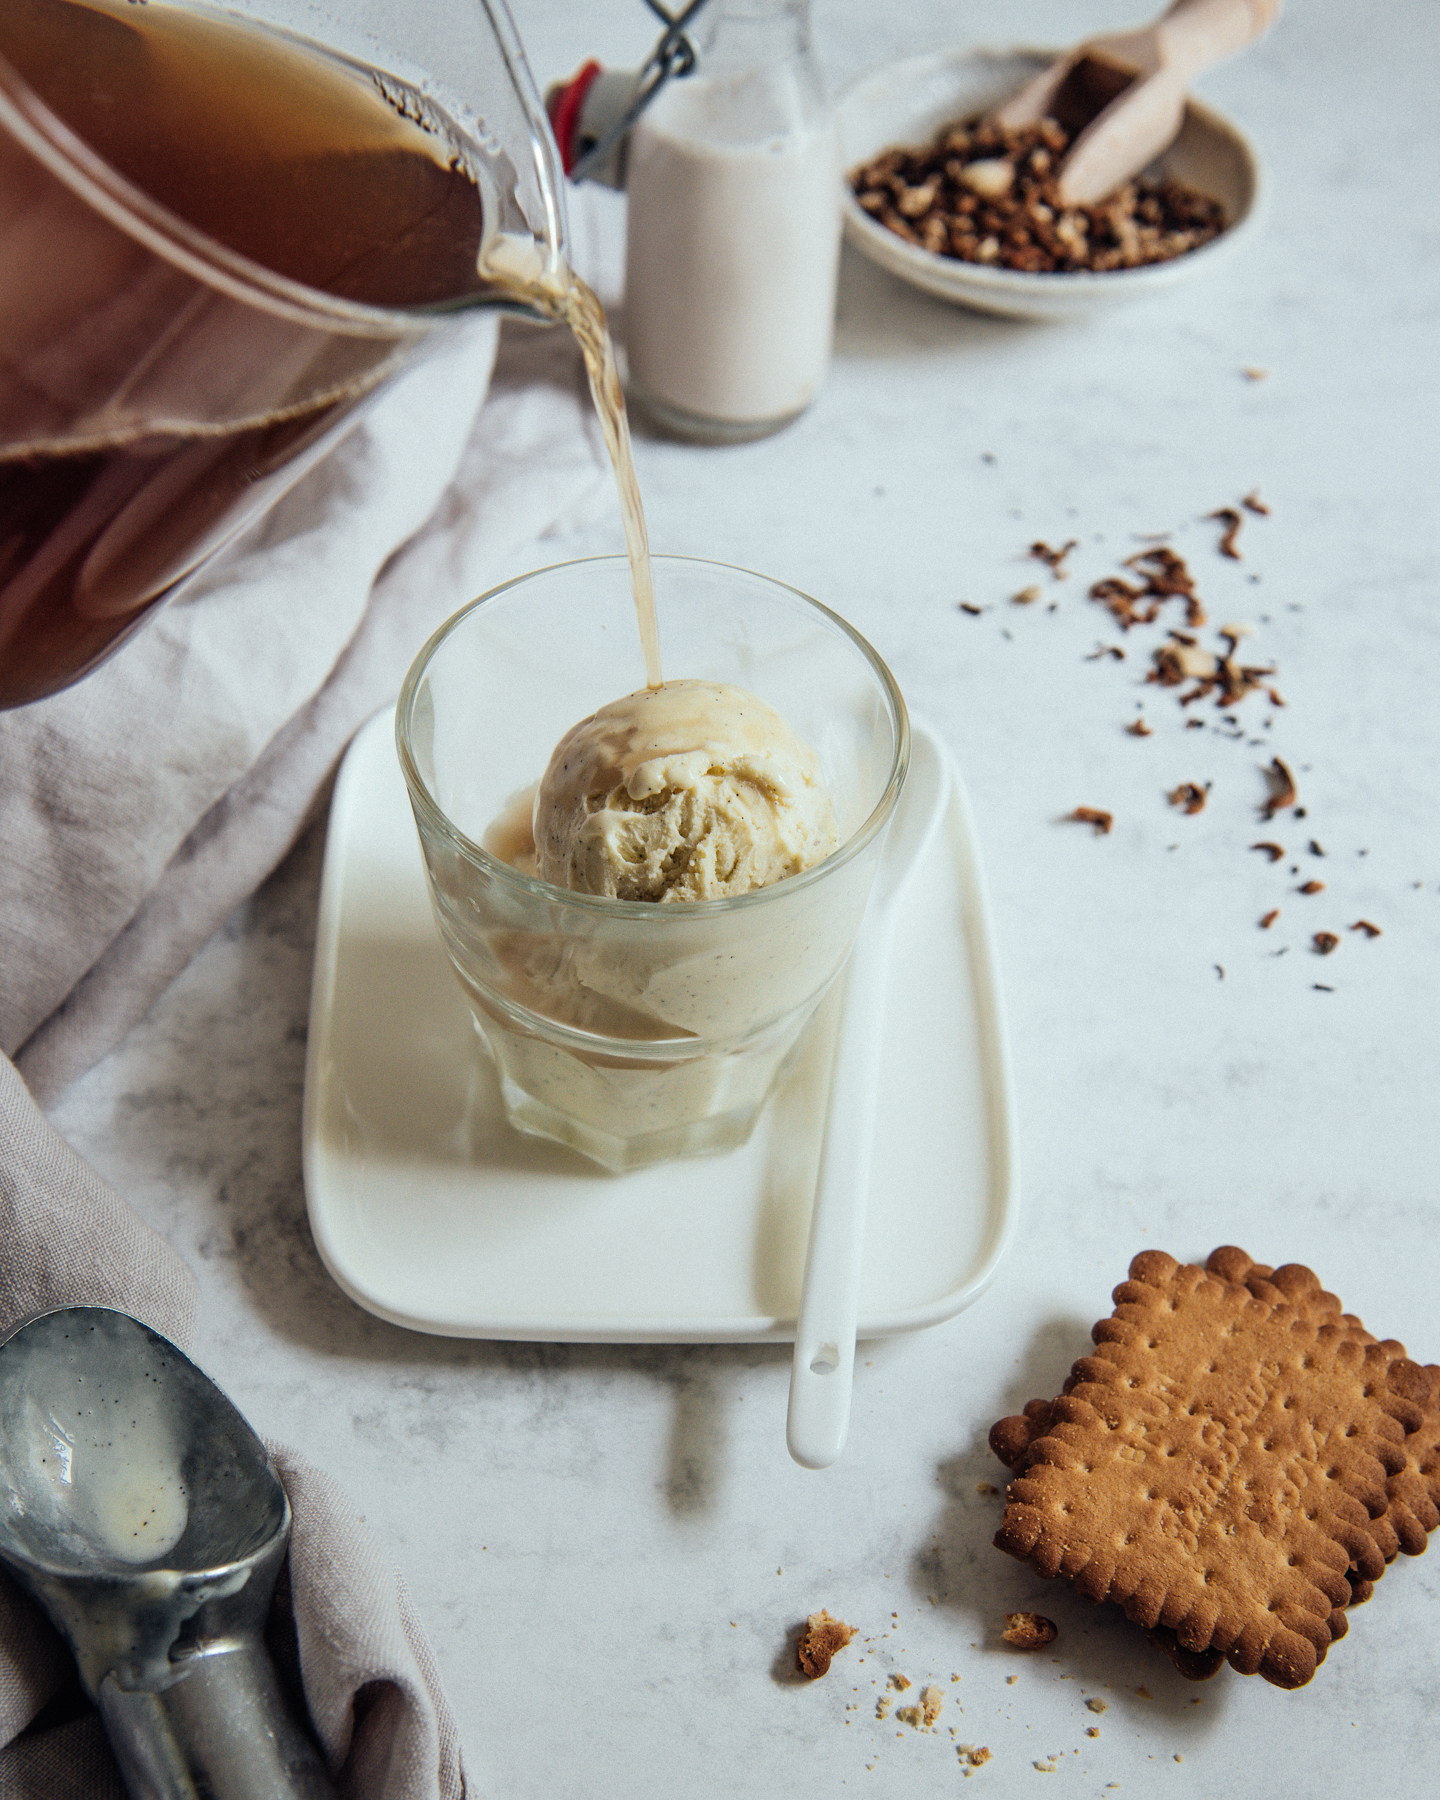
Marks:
<point>429,1210</point>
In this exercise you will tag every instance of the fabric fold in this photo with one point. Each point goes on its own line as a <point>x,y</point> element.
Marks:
<point>370,1680</point>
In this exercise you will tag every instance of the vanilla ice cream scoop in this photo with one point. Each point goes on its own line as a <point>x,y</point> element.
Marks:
<point>691,791</point>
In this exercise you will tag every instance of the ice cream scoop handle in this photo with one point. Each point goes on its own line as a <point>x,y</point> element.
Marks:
<point>822,1375</point>
<point>222,1730</point>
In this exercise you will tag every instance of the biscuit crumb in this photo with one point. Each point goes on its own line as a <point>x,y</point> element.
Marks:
<point>1028,1630</point>
<point>1010,1680</point>
<point>883,1705</point>
<point>1026,597</point>
<point>899,1682</point>
<point>1144,1693</point>
<point>1092,1731</point>
<point>1097,1705</point>
<point>973,1757</point>
<point>989,1487</point>
<point>821,1639</point>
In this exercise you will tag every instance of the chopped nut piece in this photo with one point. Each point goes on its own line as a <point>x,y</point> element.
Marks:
<point>1275,852</point>
<point>1163,576</point>
<point>1026,597</point>
<point>1054,560</point>
<point>914,202</point>
<point>1189,795</point>
<point>1316,849</point>
<point>1254,374</point>
<point>1028,1630</point>
<point>1102,651</point>
<point>1120,596</point>
<point>1253,503</point>
<point>1282,788</point>
<point>1324,942</point>
<point>1371,931</point>
<point>1167,576</point>
<point>1231,520</point>
<point>1182,660</point>
<point>1312,887</point>
<point>1138,728</point>
<point>991,177</point>
<point>821,1639</point>
<point>974,611</point>
<point>1269,919</point>
<point>980,193</point>
<point>1093,815</point>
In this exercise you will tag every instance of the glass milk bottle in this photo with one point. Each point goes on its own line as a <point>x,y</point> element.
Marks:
<point>734,230</point>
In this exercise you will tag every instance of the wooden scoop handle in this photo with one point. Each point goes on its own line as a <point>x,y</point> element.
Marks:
<point>1196,33</point>
<point>1145,117</point>
<point>1191,36</point>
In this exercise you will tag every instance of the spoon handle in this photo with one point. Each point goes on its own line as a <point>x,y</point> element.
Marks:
<point>821,1377</point>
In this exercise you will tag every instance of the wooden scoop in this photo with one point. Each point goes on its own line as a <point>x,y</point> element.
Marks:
<point>1124,94</point>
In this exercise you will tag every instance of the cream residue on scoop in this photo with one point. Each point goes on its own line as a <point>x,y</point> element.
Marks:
<point>695,790</point>
<point>105,1464</point>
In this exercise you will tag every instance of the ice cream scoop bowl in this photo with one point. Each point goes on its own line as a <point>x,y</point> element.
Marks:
<point>637,1031</point>
<point>144,1515</point>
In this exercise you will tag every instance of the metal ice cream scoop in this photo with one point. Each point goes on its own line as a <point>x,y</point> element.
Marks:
<point>144,1515</point>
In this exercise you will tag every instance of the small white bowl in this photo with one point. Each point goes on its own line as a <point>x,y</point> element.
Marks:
<point>907,103</point>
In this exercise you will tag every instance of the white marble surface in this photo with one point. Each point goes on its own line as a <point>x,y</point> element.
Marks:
<point>610,1546</point>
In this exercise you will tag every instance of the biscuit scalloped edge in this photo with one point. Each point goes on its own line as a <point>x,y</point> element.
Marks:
<point>1287,1456</point>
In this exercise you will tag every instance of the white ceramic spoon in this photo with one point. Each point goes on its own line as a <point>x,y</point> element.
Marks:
<point>822,1374</point>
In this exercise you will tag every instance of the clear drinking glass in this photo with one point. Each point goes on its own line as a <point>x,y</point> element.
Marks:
<point>222,229</point>
<point>635,1031</point>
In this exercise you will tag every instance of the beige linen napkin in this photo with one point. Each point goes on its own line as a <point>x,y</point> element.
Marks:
<point>369,1679</point>
<point>140,806</point>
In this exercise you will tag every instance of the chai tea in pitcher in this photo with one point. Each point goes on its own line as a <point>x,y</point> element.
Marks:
<point>155,393</point>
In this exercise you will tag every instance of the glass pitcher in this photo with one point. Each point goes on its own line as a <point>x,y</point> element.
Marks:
<point>219,237</point>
